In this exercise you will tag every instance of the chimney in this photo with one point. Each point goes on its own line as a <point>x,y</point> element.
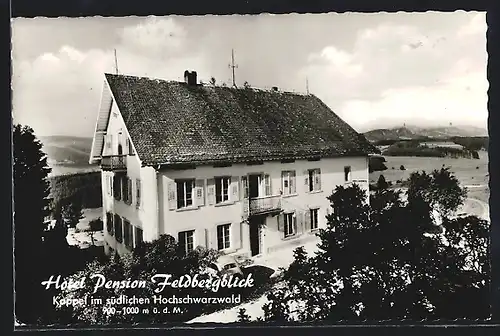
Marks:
<point>193,80</point>
<point>190,77</point>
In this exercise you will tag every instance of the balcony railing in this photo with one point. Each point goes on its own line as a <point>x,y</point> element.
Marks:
<point>114,162</point>
<point>264,205</point>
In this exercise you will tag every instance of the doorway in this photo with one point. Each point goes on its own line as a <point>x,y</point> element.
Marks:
<point>256,236</point>
<point>253,186</point>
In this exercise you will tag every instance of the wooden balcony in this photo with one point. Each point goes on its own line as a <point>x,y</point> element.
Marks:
<point>264,205</point>
<point>114,162</point>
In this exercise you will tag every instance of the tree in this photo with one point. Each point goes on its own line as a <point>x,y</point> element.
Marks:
<point>212,81</point>
<point>162,256</point>
<point>246,85</point>
<point>72,212</point>
<point>382,183</point>
<point>31,195</point>
<point>386,260</point>
<point>243,317</point>
<point>94,226</point>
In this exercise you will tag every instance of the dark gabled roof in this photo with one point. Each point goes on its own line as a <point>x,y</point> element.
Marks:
<point>174,123</point>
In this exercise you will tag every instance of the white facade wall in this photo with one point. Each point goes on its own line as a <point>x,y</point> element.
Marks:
<point>142,214</point>
<point>205,218</point>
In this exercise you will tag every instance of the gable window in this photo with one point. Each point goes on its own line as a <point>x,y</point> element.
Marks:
<point>313,216</point>
<point>137,193</point>
<point>223,236</point>
<point>289,224</point>
<point>184,193</point>
<point>118,229</point>
<point>347,173</point>
<point>186,241</point>
<point>314,179</point>
<point>288,182</point>
<point>138,236</point>
<point>127,233</point>
<point>222,189</point>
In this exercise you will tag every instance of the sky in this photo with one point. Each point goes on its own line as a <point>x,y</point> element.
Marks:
<point>375,70</point>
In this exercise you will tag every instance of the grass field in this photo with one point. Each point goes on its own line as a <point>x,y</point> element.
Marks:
<point>471,173</point>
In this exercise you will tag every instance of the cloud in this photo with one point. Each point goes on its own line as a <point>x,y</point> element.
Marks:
<point>66,85</point>
<point>401,73</point>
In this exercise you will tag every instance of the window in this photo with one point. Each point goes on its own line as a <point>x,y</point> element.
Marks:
<point>186,241</point>
<point>347,173</point>
<point>314,179</point>
<point>118,229</point>
<point>137,193</point>
<point>117,189</point>
<point>289,222</point>
<point>138,236</point>
<point>223,236</point>
<point>127,233</point>
<point>222,189</point>
<point>109,223</point>
<point>184,193</point>
<point>288,181</point>
<point>313,215</point>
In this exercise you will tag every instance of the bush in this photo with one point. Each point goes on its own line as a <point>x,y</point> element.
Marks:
<point>402,167</point>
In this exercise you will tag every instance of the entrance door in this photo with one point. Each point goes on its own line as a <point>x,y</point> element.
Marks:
<point>253,186</point>
<point>255,236</point>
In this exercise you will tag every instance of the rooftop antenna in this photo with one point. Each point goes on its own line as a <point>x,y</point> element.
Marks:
<point>307,85</point>
<point>116,63</point>
<point>233,66</point>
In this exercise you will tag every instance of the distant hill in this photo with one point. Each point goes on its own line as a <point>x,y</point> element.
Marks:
<point>420,133</point>
<point>67,150</point>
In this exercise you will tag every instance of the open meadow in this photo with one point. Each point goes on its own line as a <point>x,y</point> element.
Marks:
<point>472,173</point>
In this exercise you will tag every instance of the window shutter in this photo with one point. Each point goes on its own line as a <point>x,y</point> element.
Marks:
<point>306,179</point>
<point>284,191</point>
<point>235,233</point>
<point>110,179</point>
<point>207,238</point>
<point>172,195</point>
<point>295,222</point>
<point>211,191</point>
<point>200,192</point>
<point>293,188</point>
<point>213,243</point>
<point>235,196</point>
<point>307,220</point>
<point>129,191</point>
<point>138,193</point>
<point>244,187</point>
<point>267,184</point>
<point>299,222</point>
<point>200,238</point>
<point>318,179</point>
<point>281,222</point>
